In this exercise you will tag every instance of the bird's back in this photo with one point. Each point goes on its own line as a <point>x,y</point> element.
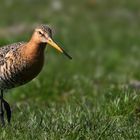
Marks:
<point>9,68</point>
<point>19,64</point>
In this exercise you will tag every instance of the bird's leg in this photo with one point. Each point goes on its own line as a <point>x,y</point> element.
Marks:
<point>6,106</point>
<point>1,109</point>
<point>7,109</point>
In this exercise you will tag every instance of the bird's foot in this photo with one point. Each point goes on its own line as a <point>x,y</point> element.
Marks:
<point>4,106</point>
<point>8,110</point>
<point>2,117</point>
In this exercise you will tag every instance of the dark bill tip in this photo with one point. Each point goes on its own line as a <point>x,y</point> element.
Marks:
<point>67,54</point>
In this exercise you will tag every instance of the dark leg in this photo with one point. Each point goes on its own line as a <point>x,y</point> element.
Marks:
<point>7,110</point>
<point>1,109</point>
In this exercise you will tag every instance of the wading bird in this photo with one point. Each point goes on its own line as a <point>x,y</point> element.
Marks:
<point>21,62</point>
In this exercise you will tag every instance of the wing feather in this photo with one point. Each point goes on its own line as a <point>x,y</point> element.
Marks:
<point>5,49</point>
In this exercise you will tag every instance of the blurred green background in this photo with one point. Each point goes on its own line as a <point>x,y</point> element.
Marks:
<point>94,96</point>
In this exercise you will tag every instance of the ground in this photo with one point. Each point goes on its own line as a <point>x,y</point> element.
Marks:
<point>96,95</point>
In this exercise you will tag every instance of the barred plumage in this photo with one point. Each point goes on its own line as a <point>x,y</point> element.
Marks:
<point>9,70</point>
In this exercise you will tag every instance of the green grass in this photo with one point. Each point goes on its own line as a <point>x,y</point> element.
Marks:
<point>94,96</point>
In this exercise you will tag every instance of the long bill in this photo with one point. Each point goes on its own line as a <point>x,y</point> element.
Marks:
<point>53,44</point>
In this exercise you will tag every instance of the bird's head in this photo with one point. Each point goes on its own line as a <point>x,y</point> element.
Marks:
<point>43,34</point>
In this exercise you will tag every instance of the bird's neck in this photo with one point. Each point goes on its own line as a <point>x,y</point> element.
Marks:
<point>34,49</point>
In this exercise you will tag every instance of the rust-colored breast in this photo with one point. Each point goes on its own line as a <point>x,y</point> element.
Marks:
<point>34,58</point>
<point>33,69</point>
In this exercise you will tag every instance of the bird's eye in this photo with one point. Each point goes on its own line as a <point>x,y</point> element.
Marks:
<point>40,33</point>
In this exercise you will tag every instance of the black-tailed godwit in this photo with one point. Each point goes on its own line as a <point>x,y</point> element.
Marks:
<point>21,62</point>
